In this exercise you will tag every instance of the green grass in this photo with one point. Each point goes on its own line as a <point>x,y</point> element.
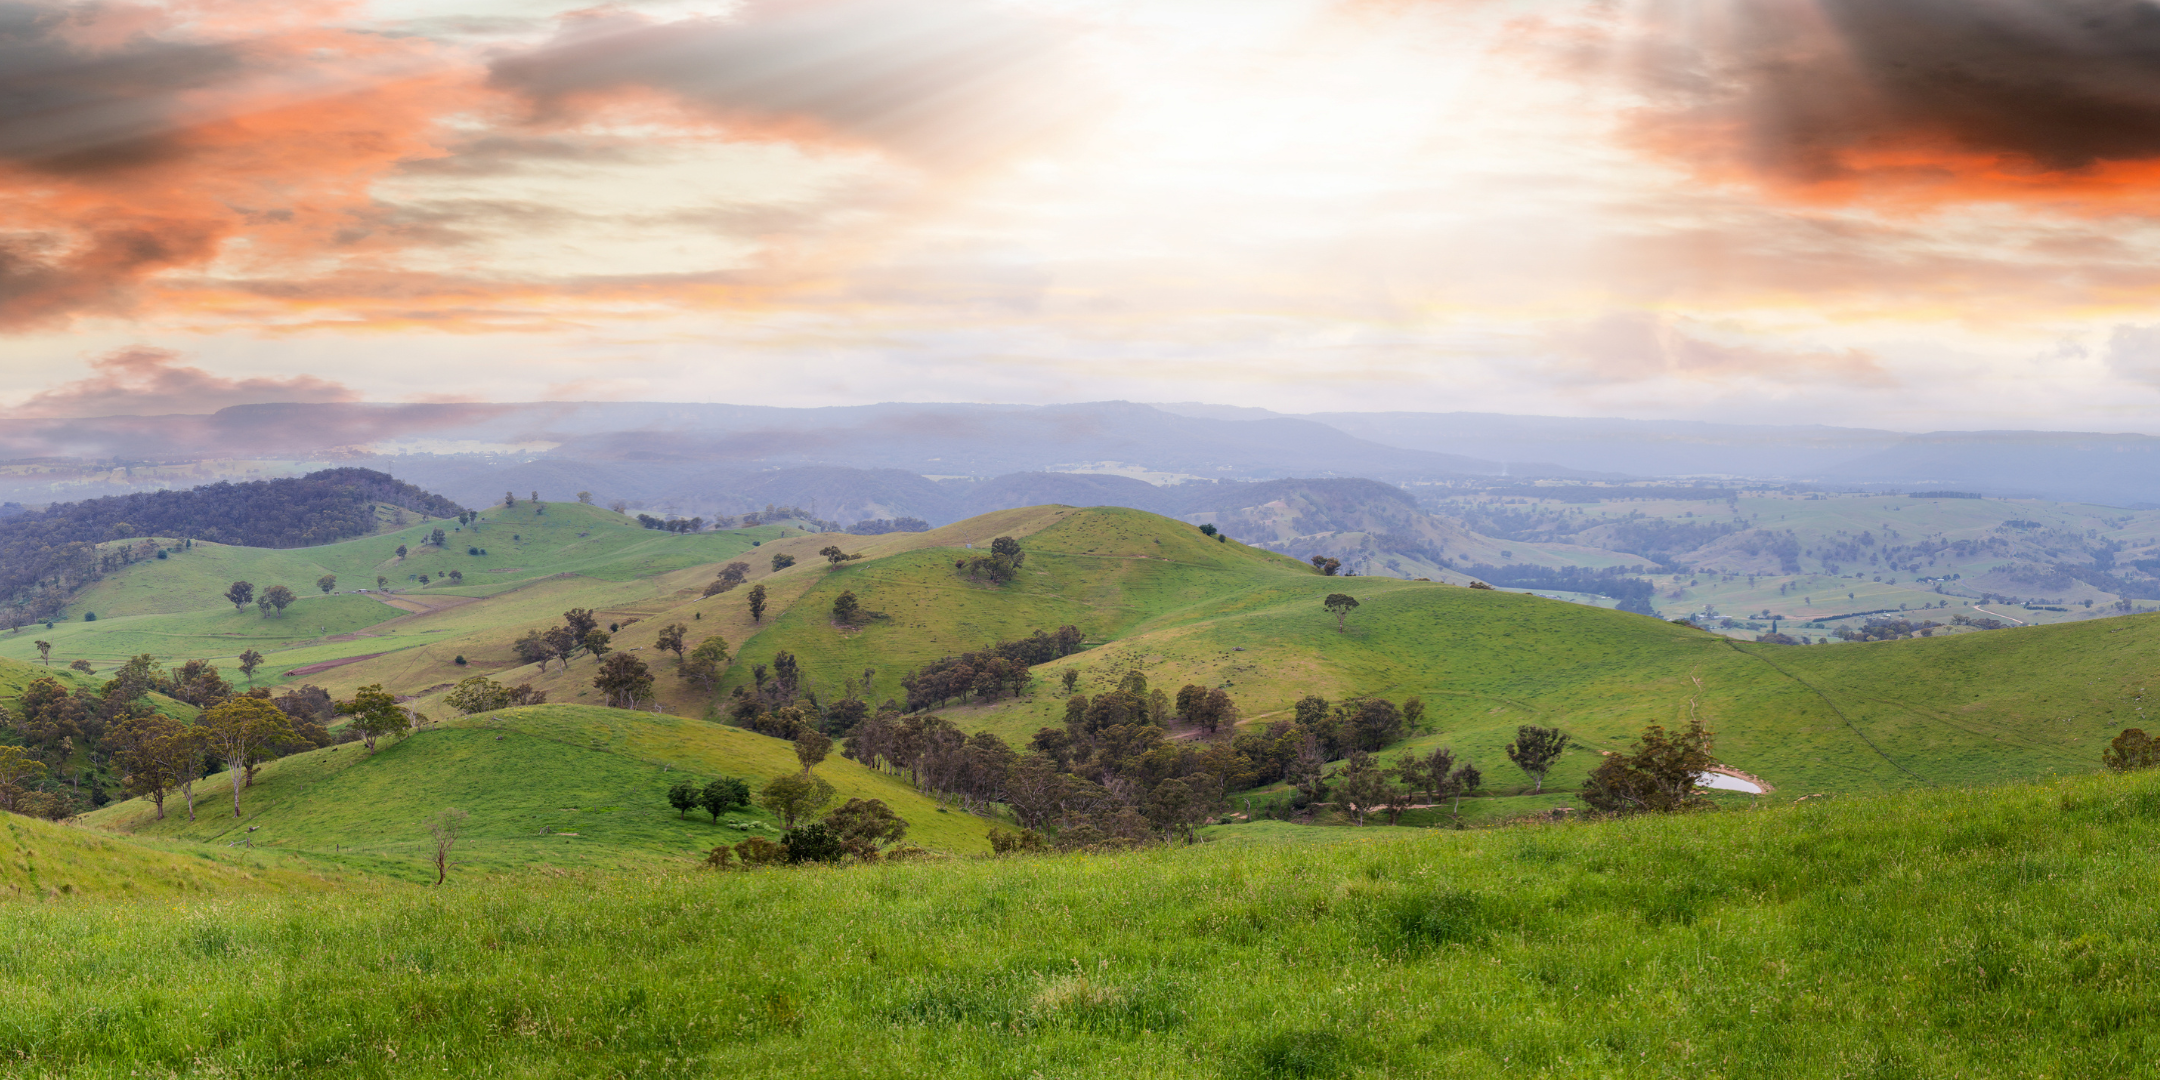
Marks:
<point>557,785</point>
<point>41,861</point>
<point>1980,933</point>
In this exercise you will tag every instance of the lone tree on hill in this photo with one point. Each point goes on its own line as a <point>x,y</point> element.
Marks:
<point>683,797</point>
<point>381,582</point>
<point>757,603</point>
<point>1325,565</point>
<point>794,797</point>
<point>670,639</point>
<point>240,728</point>
<point>401,552</point>
<point>1340,605</point>
<point>1207,530</point>
<point>249,661</point>
<point>725,793</point>
<point>782,562</point>
<point>731,575</point>
<point>278,597</point>
<point>445,827</point>
<point>1535,749</point>
<point>834,556</point>
<point>624,679</point>
<point>811,746</point>
<point>375,712</point>
<point>326,583</point>
<point>704,664</point>
<point>845,608</point>
<point>44,652</point>
<point>242,593</point>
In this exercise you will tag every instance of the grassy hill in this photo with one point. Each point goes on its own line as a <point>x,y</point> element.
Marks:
<point>1180,608</point>
<point>558,785</point>
<point>48,862</point>
<point>1985,933</point>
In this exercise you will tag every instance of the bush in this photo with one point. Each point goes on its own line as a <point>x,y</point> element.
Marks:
<point>2131,750</point>
<point>813,843</point>
<point>758,851</point>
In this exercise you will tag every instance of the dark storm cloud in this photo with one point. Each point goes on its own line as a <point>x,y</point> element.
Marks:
<point>1813,90</point>
<point>939,80</point>
<point>69,108</point>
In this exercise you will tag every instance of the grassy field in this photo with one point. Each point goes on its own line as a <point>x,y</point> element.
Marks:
<point>565,786</point>
<point>1979,933</point>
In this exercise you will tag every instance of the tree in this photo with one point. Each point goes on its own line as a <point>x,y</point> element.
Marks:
<point>1308,770</point>
<point>585,497</point>
<point>478,694</point>
<point>834,556</point>
<point>532,648</point>
<point>2132,749</point>
<point>276,596</point>
<point>138,747</point>
<point>1535,749</point>
<point>438,538</point>
<point>757,603</point>
<point>671,640</point>
<point>683,797</point>
<point>1363,785</point>
<point>731,575</point>
<point>381,582</point>
<point>242,593</point>
<point>18,770</point>
<point>782,562</point>
<point>596,642</point>
<point>250,660</point>
<point>845,608</point>
<point>509,498</point>
<point>44,651</point>
<point>723,794</point>
<point>237,729</point>
<point>401,552</point>
<point>580,621</point>
<point>795,796</point>
<point>624,679</point>
<point>811,746</point>
<point>864,825</point>
<point>1069,679</point>
<point>1340,605</point>
<point>1661,774</point>
<point>1207,530</point>
<point>326,583</point>
<point>815,842</point>
<point>375,713</point>
<point>446,826</point>
<point>705,663</point>
<point>1326,566</point>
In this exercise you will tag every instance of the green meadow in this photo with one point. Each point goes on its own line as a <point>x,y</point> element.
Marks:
<point>1981,932</point>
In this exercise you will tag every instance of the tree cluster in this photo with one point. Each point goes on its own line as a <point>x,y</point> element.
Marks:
<point>480,694</point>
<point>1001,565</point>
<point>673,525</point>
<point>986,674</point>
<point>881,526</point>
<point>579,633</point>
<point>1661,774</point>
<point>731,575</point>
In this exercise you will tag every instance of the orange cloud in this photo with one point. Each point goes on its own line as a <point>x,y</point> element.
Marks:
<point>124,381</point>
<point>1913,102</point>
<point>166,147</point>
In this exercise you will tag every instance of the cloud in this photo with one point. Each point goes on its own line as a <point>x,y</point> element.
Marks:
<point>1629,347</point>
<point>1936,99</point>
<point>2133,353</point>
<point>141,379</point>
<point>943,82</point>
<point>139,141</point>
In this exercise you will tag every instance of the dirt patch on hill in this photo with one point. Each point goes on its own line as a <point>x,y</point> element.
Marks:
<point>326,665</point>
<point>422,605</point>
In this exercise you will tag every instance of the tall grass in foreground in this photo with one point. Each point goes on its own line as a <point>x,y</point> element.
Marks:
<point>2000,932</point>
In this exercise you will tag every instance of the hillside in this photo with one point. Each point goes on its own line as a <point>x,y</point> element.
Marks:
<point>558,785</point>
<point>46,555</point>
<point>2002,930</point>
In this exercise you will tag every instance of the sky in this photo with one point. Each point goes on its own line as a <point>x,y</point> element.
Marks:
<point>1908,214</point>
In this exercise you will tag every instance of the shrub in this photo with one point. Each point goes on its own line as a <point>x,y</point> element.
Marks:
<point>758,851</point>
<point>2133,749</point>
